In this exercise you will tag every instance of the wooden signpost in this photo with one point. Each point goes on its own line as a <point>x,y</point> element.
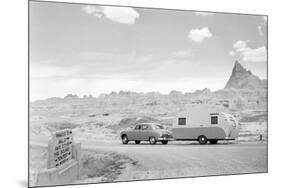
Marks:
<point>60,148</point>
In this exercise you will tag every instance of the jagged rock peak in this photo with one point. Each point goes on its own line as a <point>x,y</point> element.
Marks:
<point>238,68</point>
<point>244,79</point>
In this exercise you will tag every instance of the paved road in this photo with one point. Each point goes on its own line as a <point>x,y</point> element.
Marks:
<point>182,159</point>
<point>186,159</point>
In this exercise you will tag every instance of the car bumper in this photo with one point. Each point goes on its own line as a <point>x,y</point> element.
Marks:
<point>229,138</point>
<point>165,139</point>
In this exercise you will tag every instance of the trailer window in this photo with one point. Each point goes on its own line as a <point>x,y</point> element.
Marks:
<point>214,120</point>
<point>182,121</point>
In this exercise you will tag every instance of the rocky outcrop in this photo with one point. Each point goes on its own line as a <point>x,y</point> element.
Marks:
<point>244,79</point>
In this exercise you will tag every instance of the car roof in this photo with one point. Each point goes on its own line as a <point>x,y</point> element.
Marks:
<point>149,123</point>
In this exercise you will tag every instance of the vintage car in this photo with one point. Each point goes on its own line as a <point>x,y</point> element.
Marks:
<point>152,132</point>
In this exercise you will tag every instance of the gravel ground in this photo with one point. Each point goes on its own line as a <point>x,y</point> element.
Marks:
<point>177,159</point>
<point>187,159</point>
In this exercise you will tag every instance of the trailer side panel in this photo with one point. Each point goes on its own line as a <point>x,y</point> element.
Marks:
<point>192,133</point>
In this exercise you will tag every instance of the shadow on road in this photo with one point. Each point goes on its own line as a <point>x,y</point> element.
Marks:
<point>178,144</point>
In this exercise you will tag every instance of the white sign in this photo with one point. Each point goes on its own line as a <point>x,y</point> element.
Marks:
<point>60,148</point>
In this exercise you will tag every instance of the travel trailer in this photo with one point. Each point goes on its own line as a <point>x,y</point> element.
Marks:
<point>205,125</point>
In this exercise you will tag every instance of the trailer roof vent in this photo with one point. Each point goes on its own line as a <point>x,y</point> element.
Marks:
<point>214,114</point>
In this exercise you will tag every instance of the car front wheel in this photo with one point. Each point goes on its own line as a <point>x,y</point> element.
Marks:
<point>152,140</point>
<point>125,139</point>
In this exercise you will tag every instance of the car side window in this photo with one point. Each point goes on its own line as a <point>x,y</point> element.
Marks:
<point>144,127</point>
<point>137,127</point>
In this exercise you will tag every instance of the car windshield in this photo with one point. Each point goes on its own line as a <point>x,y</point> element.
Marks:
<point>159,127</point>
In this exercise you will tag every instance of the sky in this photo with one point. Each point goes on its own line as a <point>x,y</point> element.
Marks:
<point>91,49</point>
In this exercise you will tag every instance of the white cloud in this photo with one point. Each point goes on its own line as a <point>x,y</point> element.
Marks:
<point>94,10</point>
<point>255,55</point>
<point>47,71</point>
<point>231,53</point>
<point>203,13</point>
<point>183,53</point>
<point>125,15</point>
<point>264,19</point>
<point>240,44</point>
<point>262,26</point>
<point>249,54</point>
<point>260,30</point>
<point>198,35</point>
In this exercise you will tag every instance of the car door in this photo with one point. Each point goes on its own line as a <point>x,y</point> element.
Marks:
<point>134,134</point>
<point>144,132</point>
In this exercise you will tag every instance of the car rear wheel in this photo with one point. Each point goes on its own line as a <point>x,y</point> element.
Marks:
<point>137,141</point>
<point>152,140</point>
<point>202,139</point>
<point>125,139</point>
<point>164,141</point>
<point>213,141</point>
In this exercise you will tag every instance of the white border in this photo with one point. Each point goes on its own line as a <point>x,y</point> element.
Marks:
<point>13,93</point>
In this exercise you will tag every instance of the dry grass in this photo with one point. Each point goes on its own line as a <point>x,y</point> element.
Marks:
<point>96,165</point>
<point>104,166</point>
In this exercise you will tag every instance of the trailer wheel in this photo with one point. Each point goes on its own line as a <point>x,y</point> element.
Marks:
<point>202,139</point>
<point>213,141</point>
<point>152,140</point>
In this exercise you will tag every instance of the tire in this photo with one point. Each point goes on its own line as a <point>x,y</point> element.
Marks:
<point>213,141</point>
<point>125,139</point>
<point>152,140</point>
<point>137,141</point>
<point>202,139</point>
<point>164,141</point>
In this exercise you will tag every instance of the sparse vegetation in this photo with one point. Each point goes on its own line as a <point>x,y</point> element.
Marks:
<point>255,118</point>
<point>61,125</point>
<point>106,165</point>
